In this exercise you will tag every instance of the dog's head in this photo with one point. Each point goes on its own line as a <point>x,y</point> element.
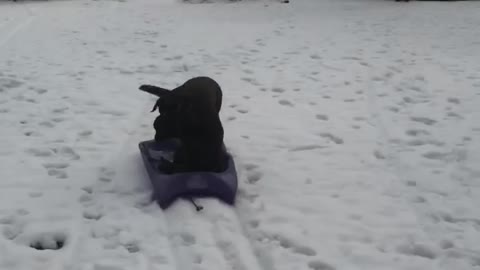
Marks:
<point>179,116</point>
<point>165,124</point>
<point>166,103</point>
<point>181,113</point>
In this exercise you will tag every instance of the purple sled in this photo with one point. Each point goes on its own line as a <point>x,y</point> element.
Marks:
<point>168,187</point>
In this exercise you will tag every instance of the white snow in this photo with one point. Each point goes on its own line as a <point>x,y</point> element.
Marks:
<point>354,125</point>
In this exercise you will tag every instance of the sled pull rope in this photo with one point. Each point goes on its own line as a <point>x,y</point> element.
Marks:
<point>197,207</point>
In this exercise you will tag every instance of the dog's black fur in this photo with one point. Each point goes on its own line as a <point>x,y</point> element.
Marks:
<point>168,104</point>
<point>190,113</point>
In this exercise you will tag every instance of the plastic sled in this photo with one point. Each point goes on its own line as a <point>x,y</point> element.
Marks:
<point>168,187</point>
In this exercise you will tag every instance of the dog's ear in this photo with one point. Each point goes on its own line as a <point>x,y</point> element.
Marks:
<point>167,103</point>
<point>157,105</point>
<point>154,90</point>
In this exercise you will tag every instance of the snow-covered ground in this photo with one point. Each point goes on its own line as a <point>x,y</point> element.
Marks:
<point>354,125</point>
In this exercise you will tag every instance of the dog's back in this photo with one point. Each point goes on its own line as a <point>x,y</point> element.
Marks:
<point>200,125</point>
<point>203,90</point>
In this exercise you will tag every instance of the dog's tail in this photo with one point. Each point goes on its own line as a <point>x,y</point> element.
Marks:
<point>154,90</point>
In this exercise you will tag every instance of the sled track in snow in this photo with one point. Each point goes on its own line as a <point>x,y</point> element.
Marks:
<point>221,228</point>
<point>18,27</point>
<point>218,226</point>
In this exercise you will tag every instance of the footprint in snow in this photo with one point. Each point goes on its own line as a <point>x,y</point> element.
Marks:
<point>60,174</point>
<point>293,246</point>
<point>41,240</point>
<point>378,154</point>
<point>420,142</point>
<point>453,100</point>
<point>242,111</point>
<point>7,220</point>
<point>106,175</point>
<point>424,120</point>
<point>285,102</point>
<point>248,196</point>
<point>46,124</point>
<point>306,148</point>
<point>304,250</point>
<point>248,71</point>
<point>322,117</point>
<point>48,241</point>
<point>115,113</point>
<point>454,115</point>
<point>35,194</point>
<point>88,189</point>
<point>188,239</point>
<point>92,214</point>
<point>278,90</point>
<point>68,153</point>
<point>434,155</point>
<point>417,250</point>
<point>416,132</point>
<point>84,134</point>
<point>131,247</point>
<point>60,110</point>
<point>393,109</point>
<point>254,176</point>
<point>39,91</point>
<point>251,166</point>
<point>250,81</point>
<point>260,42</point>
<point>320,265</point>
<point>254,223</point>
<point>40,152</point>
<point>58,165</point>
<point>85,198</point>
<point>331,137</point>
<point>8,83</point>
<point>263,89</point>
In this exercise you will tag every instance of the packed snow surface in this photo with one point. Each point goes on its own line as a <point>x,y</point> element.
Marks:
<point>355,127</point>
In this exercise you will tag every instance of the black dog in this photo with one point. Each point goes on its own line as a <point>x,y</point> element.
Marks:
<point>190,113</point>
<point>169,103</point>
